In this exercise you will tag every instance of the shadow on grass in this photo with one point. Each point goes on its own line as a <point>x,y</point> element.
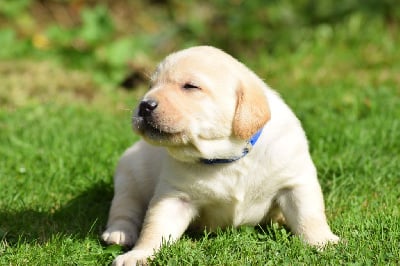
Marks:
<point>83,217</point>
<point>270,230</point>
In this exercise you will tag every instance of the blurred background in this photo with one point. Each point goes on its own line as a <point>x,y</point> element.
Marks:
<point>110,44</point>
<point>71,73</point>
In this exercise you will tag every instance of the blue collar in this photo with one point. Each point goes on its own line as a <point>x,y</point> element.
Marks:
<point>250,143</point>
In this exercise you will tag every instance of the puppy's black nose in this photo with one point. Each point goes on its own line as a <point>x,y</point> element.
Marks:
<point>146,107</point>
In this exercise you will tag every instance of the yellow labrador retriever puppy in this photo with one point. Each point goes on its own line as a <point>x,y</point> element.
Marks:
<point>220,149</point>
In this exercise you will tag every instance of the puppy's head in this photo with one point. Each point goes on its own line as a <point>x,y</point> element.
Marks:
<point>202,103</point>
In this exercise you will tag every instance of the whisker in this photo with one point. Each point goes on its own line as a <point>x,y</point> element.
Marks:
<point>130,110</point>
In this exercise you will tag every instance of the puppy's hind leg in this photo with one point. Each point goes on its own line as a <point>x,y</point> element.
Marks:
<point>303,209</point>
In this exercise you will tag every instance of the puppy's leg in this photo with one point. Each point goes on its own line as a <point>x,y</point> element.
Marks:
<point>124,220</point>
<point>166,220</point>
<point>128,206</point>
<point>134,183</point>
<point>303,209</point>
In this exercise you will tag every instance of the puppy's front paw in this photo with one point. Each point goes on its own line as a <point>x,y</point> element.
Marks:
<point>121,233</point>
<point>132,258</point>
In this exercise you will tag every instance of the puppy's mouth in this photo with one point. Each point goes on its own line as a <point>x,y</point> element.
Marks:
<point>155,132</point>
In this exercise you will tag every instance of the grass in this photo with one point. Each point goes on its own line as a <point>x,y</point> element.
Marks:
<point>60,140</point>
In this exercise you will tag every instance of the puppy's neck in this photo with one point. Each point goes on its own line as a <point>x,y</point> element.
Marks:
<point>249,145</point>
<point>216,151</point>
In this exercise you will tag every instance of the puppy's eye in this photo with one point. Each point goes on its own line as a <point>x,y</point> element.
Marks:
<point>190,86</point>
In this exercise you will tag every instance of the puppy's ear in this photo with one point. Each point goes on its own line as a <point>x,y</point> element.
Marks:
<point>252,110</point>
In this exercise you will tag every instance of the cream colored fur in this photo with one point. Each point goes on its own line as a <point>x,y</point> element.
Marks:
<point>162,188</point>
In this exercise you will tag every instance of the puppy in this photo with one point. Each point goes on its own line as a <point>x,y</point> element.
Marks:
<point>219,148</point>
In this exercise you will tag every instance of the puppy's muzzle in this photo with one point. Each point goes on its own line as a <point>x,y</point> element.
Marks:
<point>147,107</point>
<point>155,126</point>
<point>146,121</point>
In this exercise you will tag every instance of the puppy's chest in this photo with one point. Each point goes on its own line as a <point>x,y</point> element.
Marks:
<point>232,198</point>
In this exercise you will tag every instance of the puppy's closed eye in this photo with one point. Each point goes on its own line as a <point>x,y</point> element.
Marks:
<point>190,86</point>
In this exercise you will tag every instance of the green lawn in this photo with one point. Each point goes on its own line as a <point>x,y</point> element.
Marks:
<point>57,157</point>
